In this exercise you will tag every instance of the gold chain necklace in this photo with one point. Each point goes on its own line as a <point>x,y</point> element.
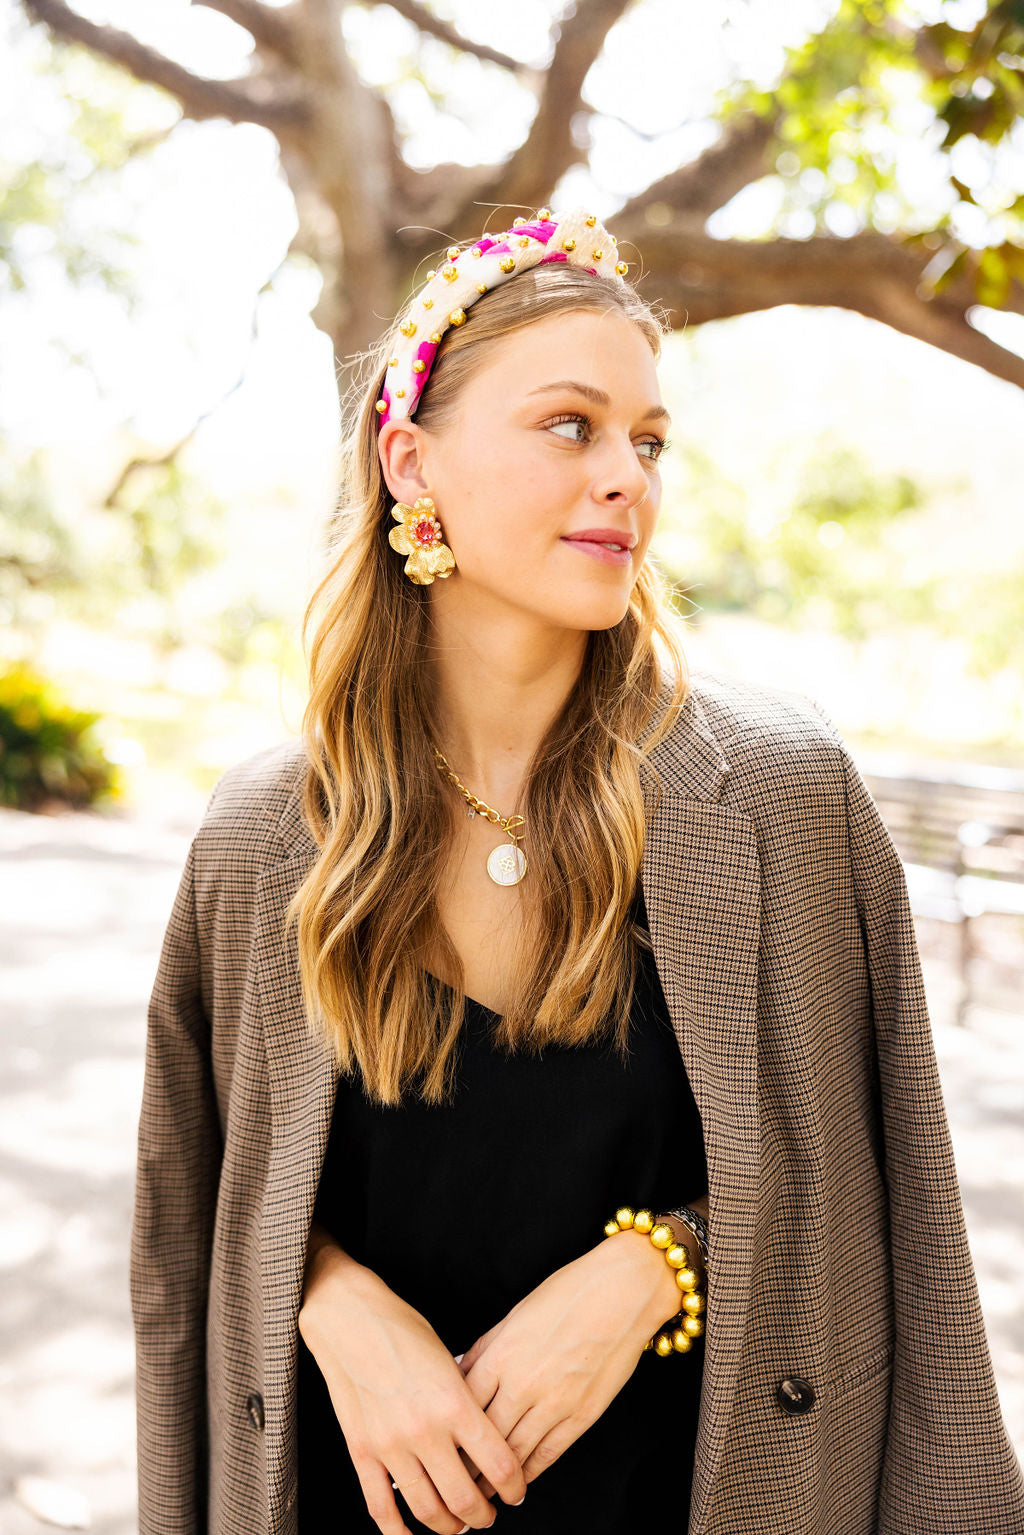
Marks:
<point>506,865</point>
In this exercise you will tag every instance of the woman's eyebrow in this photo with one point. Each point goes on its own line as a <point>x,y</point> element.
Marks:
<point>598,396</point>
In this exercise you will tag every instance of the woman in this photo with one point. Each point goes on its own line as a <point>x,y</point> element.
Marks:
<point>530,956</point>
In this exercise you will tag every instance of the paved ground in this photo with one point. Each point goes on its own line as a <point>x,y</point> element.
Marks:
<point>83,903</point>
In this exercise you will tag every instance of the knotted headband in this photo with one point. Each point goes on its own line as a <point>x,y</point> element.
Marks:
<point>578,238</point>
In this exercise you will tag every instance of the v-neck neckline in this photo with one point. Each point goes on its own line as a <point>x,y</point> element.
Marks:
<point>470,1001</point>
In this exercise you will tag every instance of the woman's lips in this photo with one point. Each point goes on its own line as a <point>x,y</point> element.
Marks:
<point>599,552</point>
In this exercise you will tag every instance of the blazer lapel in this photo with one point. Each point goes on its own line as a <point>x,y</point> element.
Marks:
<point>702,890</point>
<point>701,881</point>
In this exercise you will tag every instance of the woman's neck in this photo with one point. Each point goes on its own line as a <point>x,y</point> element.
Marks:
<point>498,687</point>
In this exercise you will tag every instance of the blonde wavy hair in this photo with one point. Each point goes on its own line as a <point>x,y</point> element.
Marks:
<point>381,814</point>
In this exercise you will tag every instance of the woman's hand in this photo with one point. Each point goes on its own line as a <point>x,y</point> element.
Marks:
<point>403,1404</point>
<point>548,1369</point>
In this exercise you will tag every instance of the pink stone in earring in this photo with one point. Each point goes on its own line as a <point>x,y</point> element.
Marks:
<point>426,532</point>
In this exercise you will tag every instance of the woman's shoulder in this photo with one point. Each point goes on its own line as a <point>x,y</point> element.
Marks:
<point>757,716</point>
<point>762,735</point>
<point>252,803</point>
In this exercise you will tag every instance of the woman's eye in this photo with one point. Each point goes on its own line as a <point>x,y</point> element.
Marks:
<point>658,444</point>
<point>570,421</point>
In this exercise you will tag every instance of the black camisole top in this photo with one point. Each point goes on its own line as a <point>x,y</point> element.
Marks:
<point>490,1194</point>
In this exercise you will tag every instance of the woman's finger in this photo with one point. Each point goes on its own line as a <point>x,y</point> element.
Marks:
<point>416,1485</point>
<point>484,1444</point>
<point>508,1421</point>
<point>449,1491</point>
<point>470,1464</point>
<point>536,1439</point>
<point>472,1354</point>
<point>482,1380</point>
<point>378,1491</point>
<point>554,1443</point>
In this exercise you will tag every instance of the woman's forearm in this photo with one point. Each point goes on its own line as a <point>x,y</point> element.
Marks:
<point>330,1270</point>
<point>320,1243</point>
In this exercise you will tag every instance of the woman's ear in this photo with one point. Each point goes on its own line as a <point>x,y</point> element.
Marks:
<point>400,445</point>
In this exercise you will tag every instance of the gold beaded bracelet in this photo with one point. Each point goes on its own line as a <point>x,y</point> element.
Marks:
<point>670,1338</point>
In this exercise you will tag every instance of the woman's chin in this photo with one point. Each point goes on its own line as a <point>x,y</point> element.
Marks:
<point>585,611</point>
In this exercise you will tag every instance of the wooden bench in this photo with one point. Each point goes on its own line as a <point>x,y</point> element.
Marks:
<point>960,833</point>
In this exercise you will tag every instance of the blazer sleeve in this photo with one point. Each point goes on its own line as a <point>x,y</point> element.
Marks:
<point>178,1171</point>
<point>949,1464</point>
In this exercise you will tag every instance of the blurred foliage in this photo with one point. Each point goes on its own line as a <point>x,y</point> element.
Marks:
<point>48,751</point>
<point>166,530</point>
<point>60,165</point>
<point>988,612</point>
<point>246,632</point>
<point>129,562</point>
<point>152,569</point>
<point>851,550</point>
<point>92,560</point>
<point>877,74</point>
<point>37,551</point>
<point>979,73</point>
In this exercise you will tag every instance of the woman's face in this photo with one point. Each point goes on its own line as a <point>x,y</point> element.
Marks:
<point>558,434</point>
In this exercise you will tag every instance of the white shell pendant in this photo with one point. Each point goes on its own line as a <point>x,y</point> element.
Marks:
<point>506,864</point>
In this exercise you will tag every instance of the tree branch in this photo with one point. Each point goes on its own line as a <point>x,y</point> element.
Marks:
<point>240,101</point>
<point>738,157</point>
<point>548,150</point>
<point>272,29</point>
<point>962,290</point>
<point>432,26</point>
<point>698,278</point>
<point>353,150</point>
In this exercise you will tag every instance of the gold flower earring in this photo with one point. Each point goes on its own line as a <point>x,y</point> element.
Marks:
<point>421,538</point>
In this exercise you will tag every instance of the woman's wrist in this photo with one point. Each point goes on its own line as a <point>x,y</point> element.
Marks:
<point>332,1278</point>
<point>661,1298</point>
<point>658,1295</point>
<point>650,1282</point>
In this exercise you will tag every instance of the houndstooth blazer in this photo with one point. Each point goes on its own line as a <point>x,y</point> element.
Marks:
<point>847,1386</point>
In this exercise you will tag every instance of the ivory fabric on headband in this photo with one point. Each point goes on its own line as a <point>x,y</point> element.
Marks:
<point>578,237</point>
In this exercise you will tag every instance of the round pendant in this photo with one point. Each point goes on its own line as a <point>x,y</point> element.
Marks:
<point>506,864</point>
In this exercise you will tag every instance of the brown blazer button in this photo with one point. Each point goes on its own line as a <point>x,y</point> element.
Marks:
<point>794,1394</point>
<point>254,1407</point>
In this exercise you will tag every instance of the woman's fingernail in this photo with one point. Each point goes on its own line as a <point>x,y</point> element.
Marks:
<point>521,1500</point>
<point>465,1527</point>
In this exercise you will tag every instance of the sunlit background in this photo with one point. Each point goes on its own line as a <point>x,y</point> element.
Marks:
<point>842,515</point>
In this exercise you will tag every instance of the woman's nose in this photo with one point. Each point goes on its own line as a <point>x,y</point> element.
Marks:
<point>624,473</point>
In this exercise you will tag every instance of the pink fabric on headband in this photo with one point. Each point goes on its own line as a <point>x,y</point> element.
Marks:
<point>542,232</point>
